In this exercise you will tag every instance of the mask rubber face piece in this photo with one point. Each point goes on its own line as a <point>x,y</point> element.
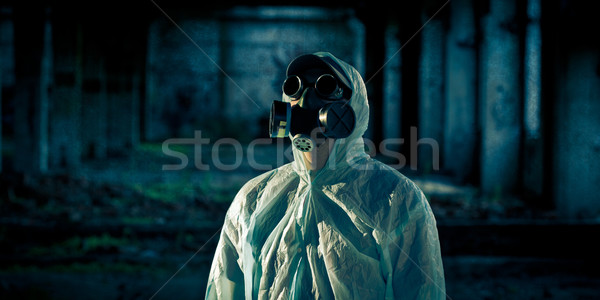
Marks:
<point>322,108</point>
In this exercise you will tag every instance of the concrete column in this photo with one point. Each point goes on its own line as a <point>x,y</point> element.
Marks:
<point>410,18</point>
<point>126,55</point>
<point>121,113</point>
<point>3,32</point>
<point>151,109</point>
<point>32,79</point>
<point>1,136</point>
<point>576,146</point>
<point>431,93</point>
<point>375,25</point>
<point>392,91</point>
<point>460,130</point>
<point>135,94</point>
<point>501,104</point>
<point>6,60</point>
<point>66,126</point>
<point>94,110</point>
<point>533,169</point>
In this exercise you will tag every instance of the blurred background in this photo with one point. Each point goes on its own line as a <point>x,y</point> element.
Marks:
<point>129,126</point>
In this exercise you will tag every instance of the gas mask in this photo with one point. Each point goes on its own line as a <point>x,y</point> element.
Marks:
<point>322,109</point>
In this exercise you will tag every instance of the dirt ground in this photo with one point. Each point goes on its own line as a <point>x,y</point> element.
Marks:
<point>115,230</point>
<point>466,278</point>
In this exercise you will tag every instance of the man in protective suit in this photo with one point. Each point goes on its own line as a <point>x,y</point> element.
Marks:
<point>334,223</point>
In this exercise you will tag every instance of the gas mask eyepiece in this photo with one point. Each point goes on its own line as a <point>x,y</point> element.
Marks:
<point>327,87</point>
<point>292,87</point>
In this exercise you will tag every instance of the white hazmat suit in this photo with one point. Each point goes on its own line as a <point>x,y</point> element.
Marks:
<point>355,229</point>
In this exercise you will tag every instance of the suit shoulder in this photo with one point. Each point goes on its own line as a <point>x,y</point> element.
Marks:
<point>389,187</point>
<point>250,192</point>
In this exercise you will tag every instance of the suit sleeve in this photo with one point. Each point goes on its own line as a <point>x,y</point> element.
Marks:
<point>414,251</point>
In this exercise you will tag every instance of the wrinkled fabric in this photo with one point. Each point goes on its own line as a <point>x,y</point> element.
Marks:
<point>356,229</point>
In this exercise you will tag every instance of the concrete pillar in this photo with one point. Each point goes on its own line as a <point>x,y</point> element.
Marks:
<point>501,104</point>
<point>122,113</point>
<point>392,86</point>
<point>151,109</point>
<point>460,130</point>
<point>1,135</point>
<point>3,32</point>
<point>576,148</point>
<point>135,122</point>
<point>375,25</point>
<point>533,154</point>
<point>410,18</point>
<point>125,58</point>
<point>7,59</point>
<point>431,93</point>
<point>66,126</point>
<point>32,80</point>
<point>95,101</point>
<point>7,68</point>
